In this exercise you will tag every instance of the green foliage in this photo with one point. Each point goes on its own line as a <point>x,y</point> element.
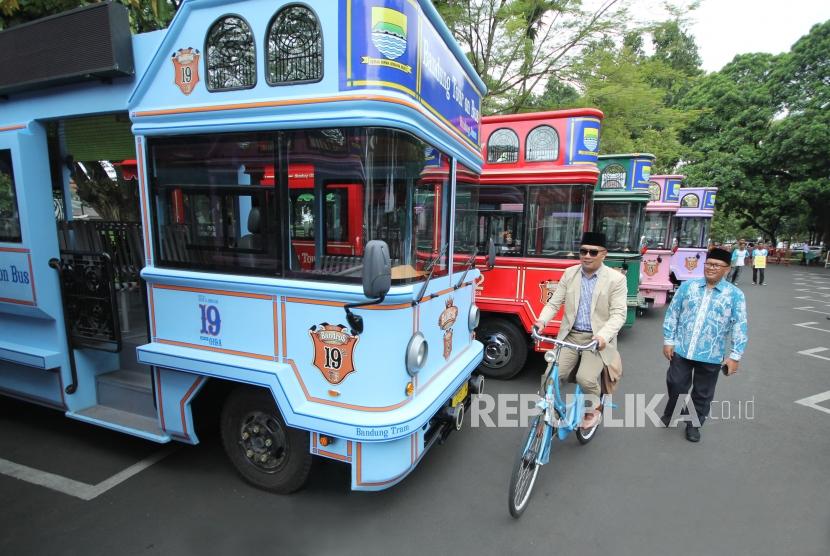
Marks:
<point>725,228</point>
<point>637,118</point>
<point>516,46</point>
<point>762,137</point>
<point>145,15</point>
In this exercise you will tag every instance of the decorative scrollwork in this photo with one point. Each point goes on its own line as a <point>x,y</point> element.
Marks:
<point>294,49</point>
<point>230,57</point>
<point>542,144</point>
<point>503,147</point>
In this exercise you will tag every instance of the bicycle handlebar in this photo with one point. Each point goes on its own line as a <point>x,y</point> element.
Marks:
<point>592,345</point>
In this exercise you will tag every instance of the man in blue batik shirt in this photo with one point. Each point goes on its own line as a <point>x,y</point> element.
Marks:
<point>703,317</point>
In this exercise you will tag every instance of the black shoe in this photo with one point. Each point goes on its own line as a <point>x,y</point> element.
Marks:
<point>692,433</point>
<point>665,419</point>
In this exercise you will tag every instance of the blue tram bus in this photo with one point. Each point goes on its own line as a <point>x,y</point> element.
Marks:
<point>285,178</point>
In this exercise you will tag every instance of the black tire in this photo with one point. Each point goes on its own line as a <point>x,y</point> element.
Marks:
<point>525,469</point>
<point>505,348</point>
<point>265,452</point>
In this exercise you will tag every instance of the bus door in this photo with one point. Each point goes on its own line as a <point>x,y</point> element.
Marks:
<point>102,251</point>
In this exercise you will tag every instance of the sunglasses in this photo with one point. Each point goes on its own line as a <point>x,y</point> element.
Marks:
<point>592,252</point>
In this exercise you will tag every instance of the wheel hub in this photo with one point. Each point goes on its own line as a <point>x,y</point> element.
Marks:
<point>262,440</point>
<point>497,350</point>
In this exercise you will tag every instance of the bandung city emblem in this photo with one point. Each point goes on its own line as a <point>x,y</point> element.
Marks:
<point>547,287</point>
<point>333,351</point>
<point>590,137</point>
<point>646,172</point>
<point>691,263</point>
<point>186,66</point>
<point>651,267</point>
<point>445,321</point>
<point>389,32</point>
<point>654,191</point>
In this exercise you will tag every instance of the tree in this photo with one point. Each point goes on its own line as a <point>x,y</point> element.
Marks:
<point>729,144</point>
<point>800,140</point>
<point>620,82</point>
<point>516,46</point>
<point>145,15</point>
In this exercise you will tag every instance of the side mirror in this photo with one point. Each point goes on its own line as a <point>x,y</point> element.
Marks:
<point>491,254</point>
<point>377,269</point>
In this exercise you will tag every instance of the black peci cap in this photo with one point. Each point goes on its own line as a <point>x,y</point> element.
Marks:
<point>720,255</point>
<point>594,238</point>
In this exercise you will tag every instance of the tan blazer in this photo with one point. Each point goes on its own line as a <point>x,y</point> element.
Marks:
<point>608,304</point>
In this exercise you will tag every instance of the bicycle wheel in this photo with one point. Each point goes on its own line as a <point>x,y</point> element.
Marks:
<point>526,468</point>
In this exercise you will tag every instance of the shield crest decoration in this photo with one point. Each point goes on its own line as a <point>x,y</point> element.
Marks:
<point>691,263</point>
<point>186,68</point>
<point>650,267</point>
<point>547,288</point>
<point>446,319</point>
<point>333,351</point>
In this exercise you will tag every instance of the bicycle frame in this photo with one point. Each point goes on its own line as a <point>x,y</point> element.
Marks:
<point>553,406</point>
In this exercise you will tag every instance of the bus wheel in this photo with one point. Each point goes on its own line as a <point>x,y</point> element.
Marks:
<point>267,453</point>
<point>505,348</point>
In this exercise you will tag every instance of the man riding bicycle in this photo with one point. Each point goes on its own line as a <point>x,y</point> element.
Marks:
<point>595,298</point>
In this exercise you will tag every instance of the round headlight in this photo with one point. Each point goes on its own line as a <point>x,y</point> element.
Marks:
<point>550,356</point>
<point>416,353</point>
<point>474,317</point>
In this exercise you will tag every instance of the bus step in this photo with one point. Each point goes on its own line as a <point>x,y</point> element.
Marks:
<point>122,421</point>
<point>127,390</point>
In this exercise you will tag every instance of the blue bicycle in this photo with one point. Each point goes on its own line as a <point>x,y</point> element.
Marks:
<point>557,418</point>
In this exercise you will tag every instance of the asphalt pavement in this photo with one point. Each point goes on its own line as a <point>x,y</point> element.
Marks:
<point>757,484</point>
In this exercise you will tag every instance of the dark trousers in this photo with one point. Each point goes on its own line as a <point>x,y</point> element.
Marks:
<point>736,271</point>
<point>755,272</point>
<point>701,377</point>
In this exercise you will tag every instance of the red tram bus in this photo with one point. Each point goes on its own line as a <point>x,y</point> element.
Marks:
<point>534,201</point>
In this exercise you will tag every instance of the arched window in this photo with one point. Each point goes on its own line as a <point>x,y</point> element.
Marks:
<point>503,147</point>
<point>294,47</point>
<point>542,144</point>
<point>230,57</point>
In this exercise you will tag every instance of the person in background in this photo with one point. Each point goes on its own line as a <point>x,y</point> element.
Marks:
<point>759,264</point>
<point>704,316</point>
<point>739,255</point>
<point>805,251</point>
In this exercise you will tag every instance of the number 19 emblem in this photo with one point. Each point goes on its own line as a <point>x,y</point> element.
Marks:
<point>333,351</point>
<point>186,65</point>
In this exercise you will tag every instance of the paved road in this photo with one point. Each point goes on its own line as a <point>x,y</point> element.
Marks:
<point>755,486</point>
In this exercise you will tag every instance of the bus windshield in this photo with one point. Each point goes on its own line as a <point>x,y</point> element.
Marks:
<point>656,230</point>
<point>620,222</point>
<point>300,202</point>
<point>556,219</point>
<point>692,231</point>
<point>467,236</point>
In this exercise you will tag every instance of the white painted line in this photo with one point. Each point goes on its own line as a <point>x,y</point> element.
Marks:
<point>806,298</point>
<point>808,290</point>
<point>812,352</point>
<point>807,325</point>
<point>813,401</point>
<point>812,310</point>
<point>75,488</point>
